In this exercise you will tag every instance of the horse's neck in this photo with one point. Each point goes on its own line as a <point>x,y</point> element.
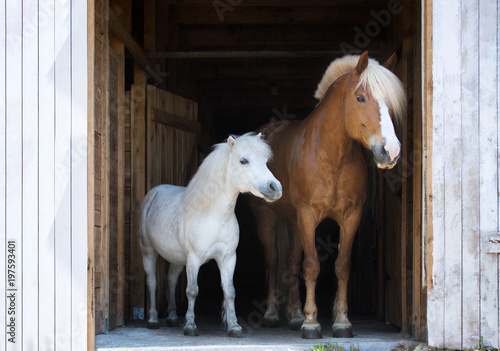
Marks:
<point>326,127</point>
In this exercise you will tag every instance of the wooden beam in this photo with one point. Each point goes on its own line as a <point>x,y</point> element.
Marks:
<point>123,35</point>
<point>266,3</point>
<point>175,121</point>
<point>249,54</point>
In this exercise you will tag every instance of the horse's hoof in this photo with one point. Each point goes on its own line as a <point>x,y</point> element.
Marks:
<point>311,332</point>
<point>271,322</point>
<point>342,332</point>
<point>173,322</point>
<point>235,333</point>
<point>153,325</point>
<point>190,332</point>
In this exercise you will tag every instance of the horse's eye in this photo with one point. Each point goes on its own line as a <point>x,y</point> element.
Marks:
<point>243,161</point>
<point>361,98</point>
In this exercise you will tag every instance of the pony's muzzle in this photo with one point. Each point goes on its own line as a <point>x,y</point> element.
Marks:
<point>272,191</point>
<point>385,157</point>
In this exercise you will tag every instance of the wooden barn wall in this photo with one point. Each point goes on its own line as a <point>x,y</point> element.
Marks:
<point>463,201</point>
<point>43,182</point>
<point>108,129</point>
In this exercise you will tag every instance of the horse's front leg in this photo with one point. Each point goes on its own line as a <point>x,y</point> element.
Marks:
<point>192,268</point>
<point>294,306</point>
<point>226,268</point>
<point>341,327</point>
<point>307,223</point>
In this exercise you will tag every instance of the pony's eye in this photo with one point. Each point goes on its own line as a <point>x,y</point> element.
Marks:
<point>361,98</point>
<point>243,161</point>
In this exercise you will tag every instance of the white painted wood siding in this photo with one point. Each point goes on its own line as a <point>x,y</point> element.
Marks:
<point>463,297</point>
<point>43,175</point>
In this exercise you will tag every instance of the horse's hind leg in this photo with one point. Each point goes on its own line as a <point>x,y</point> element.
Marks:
<point>294,306</point>
<point>192,269</point>
<point>341,327</point>
<point>149,257</point>
<point>172,278</point>
<point>266,230</point>
<point>226,268</point>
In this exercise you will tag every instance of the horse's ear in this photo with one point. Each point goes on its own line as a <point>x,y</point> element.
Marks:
<point>362,63</point>
<point>231,141</point>
<point>390,64</point>
<point>260,135</point>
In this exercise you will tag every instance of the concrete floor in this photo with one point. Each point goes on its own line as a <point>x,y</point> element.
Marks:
<point>369,334</point>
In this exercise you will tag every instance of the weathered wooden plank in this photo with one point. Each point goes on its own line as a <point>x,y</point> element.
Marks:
<point>80,146</point>
<point>46,315</point>
<point>176,121</point>
<point>62,151</point>
<point>489,220</point>
<point>436,174</point>
<point>3,165</point>
<point>91,153</point>
<point>451,99</point>
<point>13,154</point>
<point>134,48</point>
<point>138,121</point>
<point>470,176</point>
<point>29,248</point>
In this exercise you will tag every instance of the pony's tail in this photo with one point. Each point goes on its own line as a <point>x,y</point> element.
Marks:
<point>143,215</point>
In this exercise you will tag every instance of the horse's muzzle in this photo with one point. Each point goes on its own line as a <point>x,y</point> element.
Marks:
<point>272,191</point>
<point>383,158</point>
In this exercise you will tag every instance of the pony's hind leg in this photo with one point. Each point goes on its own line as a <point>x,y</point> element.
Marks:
<point>149,257</point>
<point>192,269</point>
<point>226,268</point>
<point>172,277</point>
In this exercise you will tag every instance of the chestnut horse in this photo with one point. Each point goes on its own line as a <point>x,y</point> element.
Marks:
<point>323,172</point>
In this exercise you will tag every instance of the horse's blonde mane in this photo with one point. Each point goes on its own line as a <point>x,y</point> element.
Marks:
<point>377,80</point>
<point>206,184</point>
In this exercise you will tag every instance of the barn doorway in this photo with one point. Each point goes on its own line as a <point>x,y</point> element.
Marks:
<point>246,63</point>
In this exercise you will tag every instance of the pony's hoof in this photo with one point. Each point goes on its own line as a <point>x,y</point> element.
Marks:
<point>173,322</point>
<point>342,332</point>
<point>271,322</point>
<point>311,332</point>
<point>235,333</point>
<point>153,325</point>
<point>190,332</point>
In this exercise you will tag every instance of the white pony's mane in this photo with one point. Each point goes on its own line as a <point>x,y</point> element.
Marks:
<point>211,175</point>
<point>377,80</point>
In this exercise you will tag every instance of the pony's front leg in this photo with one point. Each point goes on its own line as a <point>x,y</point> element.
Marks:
<point>307,223</point>
<point>172,277</point>
<point>341,327</point>
<point>192,268</point>
<point>294,306</point>
<point>226,268</point>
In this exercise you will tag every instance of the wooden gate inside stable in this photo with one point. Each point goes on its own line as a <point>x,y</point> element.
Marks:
<point>164,140</point>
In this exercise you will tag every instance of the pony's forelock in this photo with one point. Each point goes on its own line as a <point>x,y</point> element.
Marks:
<point>378,81</point>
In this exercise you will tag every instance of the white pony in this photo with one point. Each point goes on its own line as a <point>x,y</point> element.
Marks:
<point>189,226</point>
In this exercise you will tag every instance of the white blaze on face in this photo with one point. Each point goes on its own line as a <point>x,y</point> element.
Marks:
<point>392,145</point>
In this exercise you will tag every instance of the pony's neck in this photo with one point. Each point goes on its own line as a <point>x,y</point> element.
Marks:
<point>328,124</point>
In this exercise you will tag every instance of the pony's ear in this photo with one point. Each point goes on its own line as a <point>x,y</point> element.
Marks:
<point>390,64</point>
<point>362,63</point>
<point>231,141</point>
<point>260,135</point>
